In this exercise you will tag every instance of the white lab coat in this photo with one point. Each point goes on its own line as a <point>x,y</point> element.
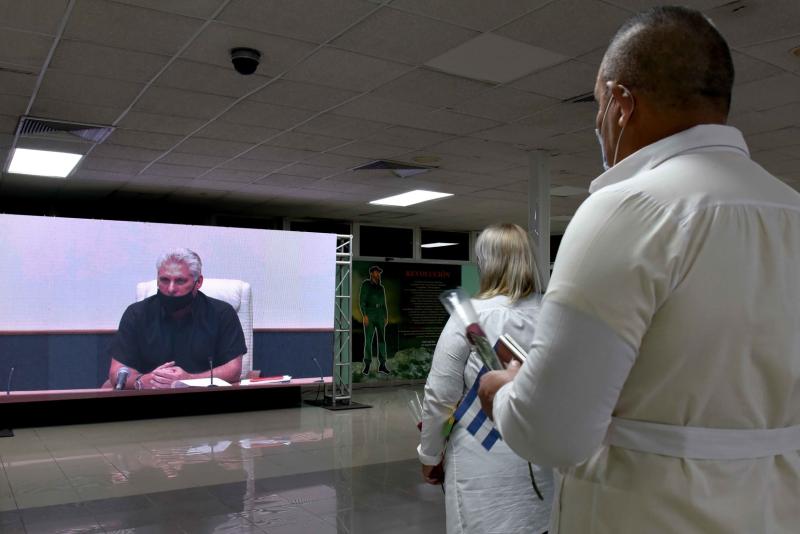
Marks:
<point>486,491</point>
<point>675,299</point>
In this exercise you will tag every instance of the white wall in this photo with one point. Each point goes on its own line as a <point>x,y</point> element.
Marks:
<point>81,274</point>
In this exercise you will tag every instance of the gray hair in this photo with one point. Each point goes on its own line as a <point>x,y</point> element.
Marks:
<point>506,263</point>
<point>675,54</point>
<point>185,256</point>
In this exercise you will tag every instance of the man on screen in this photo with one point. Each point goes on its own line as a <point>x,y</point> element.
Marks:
<point>179,333</point>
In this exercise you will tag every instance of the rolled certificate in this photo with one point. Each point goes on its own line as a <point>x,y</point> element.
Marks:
<point>458,304</point>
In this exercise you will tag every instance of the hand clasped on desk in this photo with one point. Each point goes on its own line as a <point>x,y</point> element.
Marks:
<point>163,376</point>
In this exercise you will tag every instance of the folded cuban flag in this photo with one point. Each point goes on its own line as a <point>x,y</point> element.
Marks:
<point>469,413</point>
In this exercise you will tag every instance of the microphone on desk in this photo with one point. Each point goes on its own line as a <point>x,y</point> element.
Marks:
<point>122,377</point>
<point>321,378</point>
<point>8,384</point>
<point>211,370</point>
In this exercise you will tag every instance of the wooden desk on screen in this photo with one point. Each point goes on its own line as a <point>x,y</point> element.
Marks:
<point>57,407</point>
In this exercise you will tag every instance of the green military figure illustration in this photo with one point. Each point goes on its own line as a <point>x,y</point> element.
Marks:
<point>372,300</point>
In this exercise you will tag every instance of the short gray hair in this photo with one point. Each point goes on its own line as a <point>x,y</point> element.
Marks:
<point>185,256</point>
<point>675,54</point>
<point>506,263</point>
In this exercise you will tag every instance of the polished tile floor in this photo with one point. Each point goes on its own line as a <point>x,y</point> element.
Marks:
<point>302,470</point>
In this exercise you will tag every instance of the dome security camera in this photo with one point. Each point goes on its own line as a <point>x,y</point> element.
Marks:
<point>245,60</point>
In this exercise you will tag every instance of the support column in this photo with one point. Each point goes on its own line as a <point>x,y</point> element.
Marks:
<point>539,212</point>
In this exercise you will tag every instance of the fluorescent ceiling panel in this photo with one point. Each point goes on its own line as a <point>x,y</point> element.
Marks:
<point>493,58</point>
<point>43,162</point>
<point>412,197</point>
<point>438,245</point>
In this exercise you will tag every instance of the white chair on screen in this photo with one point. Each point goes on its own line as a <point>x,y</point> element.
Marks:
<point>236,293</point>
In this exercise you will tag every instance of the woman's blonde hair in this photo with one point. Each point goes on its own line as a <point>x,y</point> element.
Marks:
<point>506,263</point>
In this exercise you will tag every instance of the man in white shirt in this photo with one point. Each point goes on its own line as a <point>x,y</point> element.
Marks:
<point>664,381</point>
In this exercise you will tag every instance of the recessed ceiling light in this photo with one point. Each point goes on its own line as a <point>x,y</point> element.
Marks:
<point>43,162</point>
<point>795,51</point>
<point>437,245</point>
<point>412,197</point>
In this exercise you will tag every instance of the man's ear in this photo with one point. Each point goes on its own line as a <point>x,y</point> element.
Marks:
<point>625,101</point>
<point>199,283</point>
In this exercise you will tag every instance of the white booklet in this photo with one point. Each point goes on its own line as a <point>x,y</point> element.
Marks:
<point>199,383</point>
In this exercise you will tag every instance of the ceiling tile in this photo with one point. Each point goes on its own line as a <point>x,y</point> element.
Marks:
<point>230,175</point>
<point>106,62</point>
<point>182,103</point>
<point>495,58</point>
<point>473,163</point>
<point>429,88</point>
<point>302,141</point>
<point>193,76</point>
<point>563,81</point>
<point>785,137</point>
<point>191,8</point>
<point>40,16</point>
<point>346,70</point>
<point>526,135</point>
<point>17,83</point>
<point>768,93</point>
<point>309,171</point>
<point>265,115</point>
<point>139,139</point>
<point>212,147</point>
<point>777,52</point>
<point>178,158</point>
<point>124,166</point>
<point>149,122</point>
<point>215,42</point>
<point>23,51</point>
<point>336,160</point>
<point>776,19</point>
<point>564,118</point>
<point>468,147</point>
<point>302,95</point>
<point>568,27</point>
<point>275,153</point>
<point>284,180</point>
<point>88,90</point>
<point>504,104</point>
<point>8,125</point>
<point>129,27</point>
<point>110,150</point>
<point>178,171</point>
<point>303,19</point>
<point>229,131</point>
<point>258,166</point>
<point>402,36</point>
<point>13,105</point>
<point>407,137</point>
<point>749,69</point>
<point>369,150</point>
<point>340,126</point>
<point>477,14</point>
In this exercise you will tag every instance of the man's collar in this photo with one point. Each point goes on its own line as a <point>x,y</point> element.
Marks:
<point>699,137</point>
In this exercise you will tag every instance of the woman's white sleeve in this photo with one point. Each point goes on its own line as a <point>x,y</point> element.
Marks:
<point>443,390</point>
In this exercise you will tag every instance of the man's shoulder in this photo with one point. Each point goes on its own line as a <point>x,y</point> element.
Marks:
<point>215,305</point>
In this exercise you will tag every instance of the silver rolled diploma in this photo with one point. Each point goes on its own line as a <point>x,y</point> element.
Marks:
<point>458,304</point>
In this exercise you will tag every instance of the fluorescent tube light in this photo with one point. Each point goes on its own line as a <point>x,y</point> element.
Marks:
<point>43,162</point>
<point>412,197</point>
<point>438,244</point>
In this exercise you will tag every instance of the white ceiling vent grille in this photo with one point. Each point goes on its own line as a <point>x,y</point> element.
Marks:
<point>33,128</point>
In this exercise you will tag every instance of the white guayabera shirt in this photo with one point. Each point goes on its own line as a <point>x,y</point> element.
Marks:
<point>675,301</point>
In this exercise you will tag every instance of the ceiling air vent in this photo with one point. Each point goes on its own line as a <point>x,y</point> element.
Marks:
<point>399,168</point>
<point>32,128</point>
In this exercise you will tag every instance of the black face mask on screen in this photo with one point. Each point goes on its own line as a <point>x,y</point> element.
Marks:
<point>172,304</point>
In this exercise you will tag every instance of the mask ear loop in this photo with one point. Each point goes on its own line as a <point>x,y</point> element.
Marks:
<point>625,94</point>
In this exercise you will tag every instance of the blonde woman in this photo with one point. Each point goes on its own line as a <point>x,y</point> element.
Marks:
<point>486,491</point>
